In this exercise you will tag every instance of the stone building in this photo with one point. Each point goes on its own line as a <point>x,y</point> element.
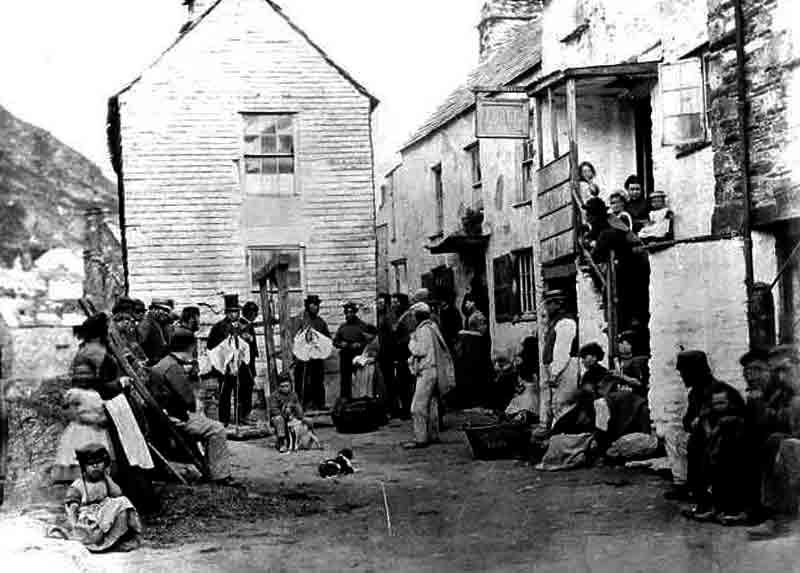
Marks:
<point>244,139</point>
<point>456,213</point>
<point>646,88</point>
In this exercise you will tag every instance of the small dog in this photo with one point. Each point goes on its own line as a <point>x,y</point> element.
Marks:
<point>301,436</point>
<point>339,466</point>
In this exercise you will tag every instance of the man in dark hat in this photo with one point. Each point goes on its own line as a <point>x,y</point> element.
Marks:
<point>172,386</point>
<point>154,330</point>
<point>693,367</point>
<point>350,339</point>
<point>560,357</point>
<point>236,377</point>
<point>123,326</point>
<point>311,372</point>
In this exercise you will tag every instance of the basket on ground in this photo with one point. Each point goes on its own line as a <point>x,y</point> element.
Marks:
<point>498,441</point>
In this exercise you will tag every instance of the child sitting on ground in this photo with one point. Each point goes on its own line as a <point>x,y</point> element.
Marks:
<point>283,404</point>
<point>661,217</point>
<point>98,514</point>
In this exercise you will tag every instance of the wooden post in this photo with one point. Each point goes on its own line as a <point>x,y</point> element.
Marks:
<point>611,307</point>
<point>281,281</point>
<point>574,173</point>
<point>551,105</point>
<point>539,137</point>
<point>269,333</point>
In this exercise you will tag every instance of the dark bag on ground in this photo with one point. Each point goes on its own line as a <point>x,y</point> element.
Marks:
<point>358,415</point>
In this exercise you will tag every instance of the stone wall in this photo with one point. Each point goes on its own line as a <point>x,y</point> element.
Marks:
<point>772,47</point>
<point>701,306</point>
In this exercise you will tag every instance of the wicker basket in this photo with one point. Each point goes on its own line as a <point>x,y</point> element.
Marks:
<point>498,441</point>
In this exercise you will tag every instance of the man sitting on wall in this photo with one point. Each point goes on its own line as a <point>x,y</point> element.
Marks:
<point>775,425</point>
<point>173,389</point>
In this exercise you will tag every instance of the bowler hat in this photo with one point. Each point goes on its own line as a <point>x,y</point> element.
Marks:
<point>756,354</point>
<point>124,305</point>
<point>689,359</point>
<point>232,302</point>
<point>162,303</point>
<point>421,295</point>
<point>312,299</point>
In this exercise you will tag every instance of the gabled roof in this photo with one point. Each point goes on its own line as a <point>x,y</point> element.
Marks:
<point>522,52</point>
<point>187,29</point>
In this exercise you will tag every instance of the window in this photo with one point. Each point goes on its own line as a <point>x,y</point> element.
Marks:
<point>474,152</point>
<point>514,286</point>
<point>400,276</point>
<point>528,169</point>
<point>523,261</point>
<point>382,196</point>
<point>683,93</point>
<point>438,193</point>
<point>260,256</point>
<point>269,162</point>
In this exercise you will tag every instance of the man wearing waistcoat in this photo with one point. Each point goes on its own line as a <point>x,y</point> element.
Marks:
<point>560,358</point>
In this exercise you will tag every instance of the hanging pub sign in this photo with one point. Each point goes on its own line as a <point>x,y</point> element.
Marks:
<point>502,118</point>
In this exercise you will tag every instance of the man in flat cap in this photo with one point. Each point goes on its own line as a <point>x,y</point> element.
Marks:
<point>154,330</point>
<point>351,338</point>
<point>560,357</point>
<point>432,365</point>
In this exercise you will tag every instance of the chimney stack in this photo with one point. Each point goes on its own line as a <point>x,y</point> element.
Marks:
<point>195,9</point>
<point>500,18</point>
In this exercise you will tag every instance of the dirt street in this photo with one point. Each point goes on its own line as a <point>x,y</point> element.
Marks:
<point>448,513</point>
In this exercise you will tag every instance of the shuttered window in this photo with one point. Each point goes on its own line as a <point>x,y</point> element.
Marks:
<point>683,96</point>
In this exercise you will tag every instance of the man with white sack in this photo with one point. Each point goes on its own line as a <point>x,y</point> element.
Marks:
<point>312,345</point>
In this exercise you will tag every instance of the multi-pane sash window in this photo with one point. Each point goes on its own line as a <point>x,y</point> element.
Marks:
<point>269,159</point>
<point>683,93</point>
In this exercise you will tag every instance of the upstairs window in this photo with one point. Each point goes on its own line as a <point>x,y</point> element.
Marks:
<point>438,193</point>
<point>683,93</point>
<point>269,160</point>
<point>474,152</point>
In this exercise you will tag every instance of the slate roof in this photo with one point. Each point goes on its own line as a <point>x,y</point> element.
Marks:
<point>187,28</point>
<point>523,52</point>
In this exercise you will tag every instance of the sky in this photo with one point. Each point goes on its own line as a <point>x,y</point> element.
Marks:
<point>61,60</point>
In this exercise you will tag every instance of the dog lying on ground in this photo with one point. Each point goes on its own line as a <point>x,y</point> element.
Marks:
<point>340,465</point>
<point>301,436</point>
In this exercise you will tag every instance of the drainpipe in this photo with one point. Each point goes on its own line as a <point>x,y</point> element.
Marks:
<point>744,160</point>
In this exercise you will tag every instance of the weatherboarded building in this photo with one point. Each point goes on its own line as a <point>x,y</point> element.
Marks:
<point>242,140</point>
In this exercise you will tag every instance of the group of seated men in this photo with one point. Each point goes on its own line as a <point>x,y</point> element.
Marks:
<point>743,454</point>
